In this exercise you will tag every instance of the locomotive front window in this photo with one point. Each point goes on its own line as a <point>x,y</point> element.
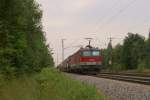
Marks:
<point>90,53</point>
<point>86,53</point>
<point>95,53</point>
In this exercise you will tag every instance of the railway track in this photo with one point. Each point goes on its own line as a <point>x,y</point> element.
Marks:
<point>135,78</point>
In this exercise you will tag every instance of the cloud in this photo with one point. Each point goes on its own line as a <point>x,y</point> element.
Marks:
<point>56,23</point>
<point>63,13</point>
<point>66,6</point>
<point>79,5</point>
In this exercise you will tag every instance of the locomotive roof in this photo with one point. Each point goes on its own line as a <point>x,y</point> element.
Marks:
<point>86,48</point>
<point>89,48</point>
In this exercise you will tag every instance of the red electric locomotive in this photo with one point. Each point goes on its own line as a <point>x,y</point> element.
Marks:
<point>86,60</point>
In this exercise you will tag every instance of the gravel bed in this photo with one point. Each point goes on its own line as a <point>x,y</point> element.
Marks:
<point>117,90</point>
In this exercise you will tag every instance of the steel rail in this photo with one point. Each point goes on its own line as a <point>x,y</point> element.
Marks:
<point>143,79</point>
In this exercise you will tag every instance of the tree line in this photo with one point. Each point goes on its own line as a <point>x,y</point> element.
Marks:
<point>134,53</point>
<point>23,47</point>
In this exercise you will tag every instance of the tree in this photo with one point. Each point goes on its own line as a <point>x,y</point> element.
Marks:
<point>22,42</point>
<point>117,54</point>
<point>132,51</point>
<point>147,52</point>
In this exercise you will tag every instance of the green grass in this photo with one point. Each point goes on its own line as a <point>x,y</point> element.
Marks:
<point>48,85</point>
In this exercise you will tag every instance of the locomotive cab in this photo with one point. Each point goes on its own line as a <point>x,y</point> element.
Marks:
<point>90,59</point>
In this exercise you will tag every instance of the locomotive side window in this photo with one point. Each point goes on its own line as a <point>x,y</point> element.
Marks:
<point>96,53</point>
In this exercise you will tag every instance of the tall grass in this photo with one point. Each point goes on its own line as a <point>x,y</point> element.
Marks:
<point>48,85</point>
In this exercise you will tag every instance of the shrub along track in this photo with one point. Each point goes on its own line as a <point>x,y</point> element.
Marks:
<point>129,77</point>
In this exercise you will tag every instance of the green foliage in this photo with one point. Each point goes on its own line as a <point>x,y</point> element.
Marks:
<point>117,54</point>
<point>132,50</point>
<point>105,57</point>
<point>141,66</point>
<point>117,67</point>
<point>22,42</point>
<point>48,85</point>
<point>132,54</point>
<point>147,53</point>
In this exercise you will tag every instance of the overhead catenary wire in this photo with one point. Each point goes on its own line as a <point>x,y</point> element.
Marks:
<point>71,44</point>
<point>116,15</point>
<point>138,24</point>
<point>106,13</point>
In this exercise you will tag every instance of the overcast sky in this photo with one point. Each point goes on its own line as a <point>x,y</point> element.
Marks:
<point>75,20</point>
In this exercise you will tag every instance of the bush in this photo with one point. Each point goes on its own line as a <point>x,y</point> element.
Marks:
<point>141,66</point>
<point>48,85</point>
<point>117,67</point>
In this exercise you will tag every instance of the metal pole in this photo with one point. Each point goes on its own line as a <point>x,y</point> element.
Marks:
<point>149,34</point>
<point>63,49</point>
<point>110,51</point>
<point>57,59</point>
<point>89,42</point>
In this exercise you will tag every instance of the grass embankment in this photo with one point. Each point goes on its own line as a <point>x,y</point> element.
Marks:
<point>48,85</point>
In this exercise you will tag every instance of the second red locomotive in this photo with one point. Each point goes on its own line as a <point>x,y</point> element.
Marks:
<point>86,60</point>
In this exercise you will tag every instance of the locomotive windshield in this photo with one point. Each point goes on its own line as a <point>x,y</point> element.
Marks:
<point>95,53</point>
<point>90,53</point>
<point>86,53</point>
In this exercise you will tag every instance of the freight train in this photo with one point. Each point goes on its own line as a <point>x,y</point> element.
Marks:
<point>86,60</point>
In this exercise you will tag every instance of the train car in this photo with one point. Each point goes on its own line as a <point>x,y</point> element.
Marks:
<point>85,60</point>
